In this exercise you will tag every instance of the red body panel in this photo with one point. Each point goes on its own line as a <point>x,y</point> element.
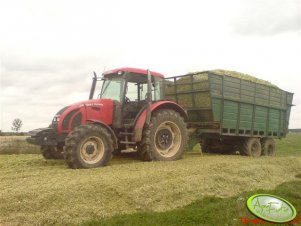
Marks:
<point>99,109</point>
<point>133,70</point>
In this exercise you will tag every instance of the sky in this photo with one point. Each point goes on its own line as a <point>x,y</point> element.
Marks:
<point>49,49</point>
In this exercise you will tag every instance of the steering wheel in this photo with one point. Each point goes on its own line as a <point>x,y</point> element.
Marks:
<point>127,100</point>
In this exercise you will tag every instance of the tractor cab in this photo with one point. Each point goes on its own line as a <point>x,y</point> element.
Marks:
<point>128,88</point>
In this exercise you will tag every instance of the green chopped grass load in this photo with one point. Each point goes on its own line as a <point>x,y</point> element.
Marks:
<point>198,82</point>
<point>194,82</point>
<point>243,76</point>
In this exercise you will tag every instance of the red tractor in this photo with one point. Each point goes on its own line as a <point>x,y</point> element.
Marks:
<point>130,112</point>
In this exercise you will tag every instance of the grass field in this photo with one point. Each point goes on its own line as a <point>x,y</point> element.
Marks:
<point>34,191</point>
<point>17,145</point>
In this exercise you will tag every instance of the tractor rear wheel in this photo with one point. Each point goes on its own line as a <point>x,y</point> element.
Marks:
<point>251,147</point>
<point>165,138</point>
<point>268,146</point>
<point>51,152</point>
<point>88,146</point>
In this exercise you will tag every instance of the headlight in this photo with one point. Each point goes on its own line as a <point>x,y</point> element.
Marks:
<point>56,118</point>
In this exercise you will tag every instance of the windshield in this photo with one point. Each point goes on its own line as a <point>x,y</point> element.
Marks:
<point>111,89</point>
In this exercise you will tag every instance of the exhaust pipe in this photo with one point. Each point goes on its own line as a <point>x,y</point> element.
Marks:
<point>94,80</point>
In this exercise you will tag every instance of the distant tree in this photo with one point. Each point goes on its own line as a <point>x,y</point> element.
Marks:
<point>17,124</point>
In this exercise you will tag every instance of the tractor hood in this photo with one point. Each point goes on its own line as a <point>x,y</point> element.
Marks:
<point>82,112</point>
<point>89,103</point>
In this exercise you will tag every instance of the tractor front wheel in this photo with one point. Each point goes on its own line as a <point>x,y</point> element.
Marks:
<point>88,146</point>
<point>165,138</point>
<point>51,152</point>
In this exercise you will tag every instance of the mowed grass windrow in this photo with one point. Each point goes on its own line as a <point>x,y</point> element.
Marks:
<point>35,191</point>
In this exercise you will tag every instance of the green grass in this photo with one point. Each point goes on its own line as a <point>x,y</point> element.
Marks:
<point>206,211</point>
<point>291,145</point>
<point>17,145</point>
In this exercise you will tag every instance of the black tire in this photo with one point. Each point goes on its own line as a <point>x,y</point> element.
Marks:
<point>242,152</point>
<point>205,146</point>
<point>46,152</point>
<point>165,138</point>
<point>268,146</point>
<point>88,146</point>
<point>51,152</point>
<point>251,147</point>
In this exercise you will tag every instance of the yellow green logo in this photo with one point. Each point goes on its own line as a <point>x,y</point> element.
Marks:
<point>271,208</point>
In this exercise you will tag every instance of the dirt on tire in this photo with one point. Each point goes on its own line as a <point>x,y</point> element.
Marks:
<point>268,146</point>
<point>251,147</point>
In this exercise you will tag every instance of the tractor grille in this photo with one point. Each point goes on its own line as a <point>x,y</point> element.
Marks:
<point>76,121</point>
<point>67,119</point>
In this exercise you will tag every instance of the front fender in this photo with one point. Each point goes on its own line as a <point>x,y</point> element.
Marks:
<point>115,141</point>
<point>139,124</point>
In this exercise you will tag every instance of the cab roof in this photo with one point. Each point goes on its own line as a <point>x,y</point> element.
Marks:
<point>132,70</point>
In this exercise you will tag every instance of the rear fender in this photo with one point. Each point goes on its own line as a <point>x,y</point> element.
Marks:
<point>138,128</point>
<point>115,141</point>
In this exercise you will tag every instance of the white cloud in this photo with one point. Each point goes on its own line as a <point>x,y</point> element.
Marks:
<point>269,17</point>
<point>49,49</point>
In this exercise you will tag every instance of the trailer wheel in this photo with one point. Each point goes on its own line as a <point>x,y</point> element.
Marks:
<point>50,152</point>
<point>251,147</point>
<point>165,138</point>
<point>268,146</point>
<point>88,146</point>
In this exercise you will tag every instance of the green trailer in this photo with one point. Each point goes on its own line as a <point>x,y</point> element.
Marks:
<point>229,113</point>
